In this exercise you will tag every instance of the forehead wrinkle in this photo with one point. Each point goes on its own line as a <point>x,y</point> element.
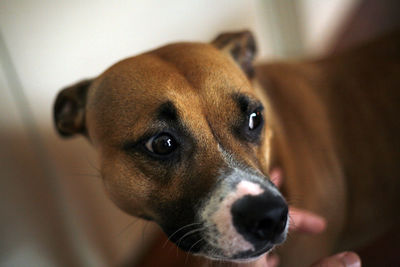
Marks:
<point>193,118</point>
<point>167,112</point>
<point>177,68</point>
<point>133,89</point>
<point>212,74</point>
<point>187,102</point>
<point>202,65</point>
<point>213,80</point>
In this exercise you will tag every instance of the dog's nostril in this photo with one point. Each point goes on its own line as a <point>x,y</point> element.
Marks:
<point>260,218</point>
<point>282,222</point>
<point>265,223</point>
<point>272,224</point>
<point>264,227</point>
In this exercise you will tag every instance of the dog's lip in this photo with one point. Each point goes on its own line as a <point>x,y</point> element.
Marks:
<point>253,255</point>
<point>186,237</point>
<point>245,256</point>
<point>192,246</point>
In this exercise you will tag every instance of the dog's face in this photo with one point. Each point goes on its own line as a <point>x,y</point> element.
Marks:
<point>183,142</point>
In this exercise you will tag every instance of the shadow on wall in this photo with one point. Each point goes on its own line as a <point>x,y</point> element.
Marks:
<point>59,214</point>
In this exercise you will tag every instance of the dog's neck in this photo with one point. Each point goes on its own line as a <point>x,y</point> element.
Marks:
<point>302,145</point>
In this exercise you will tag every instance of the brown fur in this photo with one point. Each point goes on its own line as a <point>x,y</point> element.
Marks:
<point>122,102</point>
<point>331,125</point>
<point>337,140</point>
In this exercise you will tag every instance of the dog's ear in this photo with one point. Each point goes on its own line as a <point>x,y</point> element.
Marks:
<point>241,46</point>
<point>69,109</point>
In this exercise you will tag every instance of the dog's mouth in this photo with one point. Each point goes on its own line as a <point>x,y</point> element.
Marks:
<point>194,241</point>
<point>189,238</point>
<point>241,221</point>
<point>252,255</point>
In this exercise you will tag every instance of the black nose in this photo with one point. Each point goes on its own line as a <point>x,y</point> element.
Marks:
<point>260,218</point>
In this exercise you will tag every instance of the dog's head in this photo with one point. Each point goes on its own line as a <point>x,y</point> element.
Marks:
<point>183,142</point>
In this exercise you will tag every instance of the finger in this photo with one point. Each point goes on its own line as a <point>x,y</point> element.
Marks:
<point>261,262</point>
<point>276,176</point>
<point>344,259</point>
<point>306,222</point>
<point>272,260</point>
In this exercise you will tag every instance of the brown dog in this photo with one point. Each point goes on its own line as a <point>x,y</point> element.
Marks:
<point>187,134</point>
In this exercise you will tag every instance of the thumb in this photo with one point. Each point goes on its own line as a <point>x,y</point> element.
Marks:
<point>344,259</point>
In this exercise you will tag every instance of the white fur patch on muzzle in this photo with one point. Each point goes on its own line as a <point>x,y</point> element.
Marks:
<point>221,235</point>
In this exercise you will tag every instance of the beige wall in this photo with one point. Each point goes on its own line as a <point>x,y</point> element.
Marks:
<point>55,43</point>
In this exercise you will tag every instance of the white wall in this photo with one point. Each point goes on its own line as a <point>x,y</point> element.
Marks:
<point>55,43</point>
<point>321,20</point>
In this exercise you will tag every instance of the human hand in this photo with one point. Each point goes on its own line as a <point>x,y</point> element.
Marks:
<point>308,222</point>
<point>343,259</point>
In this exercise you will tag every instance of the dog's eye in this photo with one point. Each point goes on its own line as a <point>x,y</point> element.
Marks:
<point>255,120</point>
<point>162,144</point>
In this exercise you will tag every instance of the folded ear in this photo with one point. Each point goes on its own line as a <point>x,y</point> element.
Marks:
<point>69,109</point>
<point>241,46</point>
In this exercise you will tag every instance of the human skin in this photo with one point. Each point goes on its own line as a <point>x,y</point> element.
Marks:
<point>307,222</point>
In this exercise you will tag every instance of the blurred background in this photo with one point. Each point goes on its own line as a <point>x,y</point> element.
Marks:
<point>54,211</point>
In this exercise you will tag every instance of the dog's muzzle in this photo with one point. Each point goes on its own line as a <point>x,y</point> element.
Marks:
<point>260,218</point>
<point>244,217</point>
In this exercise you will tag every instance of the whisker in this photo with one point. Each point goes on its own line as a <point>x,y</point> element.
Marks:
<point>187,253</point>
<point>293,200</point>
<point>186,235</point>
<point>291,222</point>
<point>189,233</point>
<point>126,227</point>
<point>183,227</point>
<point>93,166</point>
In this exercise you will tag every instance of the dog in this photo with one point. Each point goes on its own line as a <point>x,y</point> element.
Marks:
<point>188,133</point>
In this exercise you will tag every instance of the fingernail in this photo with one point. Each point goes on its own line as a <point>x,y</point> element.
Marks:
<point>320,223</point>
<point>272,260</point>
<point>351,259</point>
